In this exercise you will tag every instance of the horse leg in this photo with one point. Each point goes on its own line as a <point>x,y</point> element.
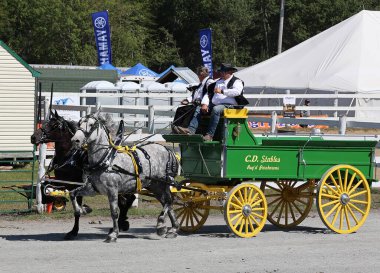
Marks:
<point>113,200</point>
<point>76,200</point>
<point>161,227</point>
<point>172,232</point>
<point>125,203</point>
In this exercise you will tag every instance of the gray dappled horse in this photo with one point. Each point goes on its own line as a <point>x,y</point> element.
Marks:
<point>111,175</point>
<point>70,168</point>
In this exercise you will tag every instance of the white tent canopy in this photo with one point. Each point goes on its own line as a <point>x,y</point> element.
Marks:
<point>345,57</point>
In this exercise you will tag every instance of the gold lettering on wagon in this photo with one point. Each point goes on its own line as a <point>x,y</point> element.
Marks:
<point>262,168</point>
<point>263,159</point>
<point>260,162</point>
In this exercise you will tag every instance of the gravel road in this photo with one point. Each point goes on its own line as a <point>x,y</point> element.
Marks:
<point>31,246</point>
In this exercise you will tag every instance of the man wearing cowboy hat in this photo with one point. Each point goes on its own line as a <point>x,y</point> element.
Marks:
<point>221,95</point>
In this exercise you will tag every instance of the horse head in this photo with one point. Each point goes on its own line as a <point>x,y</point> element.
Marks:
<point>90,128</point>
<point>54,129</point>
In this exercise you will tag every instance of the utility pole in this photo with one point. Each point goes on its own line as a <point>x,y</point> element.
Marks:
<point>281,27</point>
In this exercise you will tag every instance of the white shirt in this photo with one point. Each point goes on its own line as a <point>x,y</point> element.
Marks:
<point>229,94</point>
<point>198,92</point>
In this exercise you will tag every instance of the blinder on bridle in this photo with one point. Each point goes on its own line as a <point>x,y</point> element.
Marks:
<point>48,127</point>
<point>95,126</point>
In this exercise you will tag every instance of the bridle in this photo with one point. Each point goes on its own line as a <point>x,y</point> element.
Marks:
<point>60,124</point>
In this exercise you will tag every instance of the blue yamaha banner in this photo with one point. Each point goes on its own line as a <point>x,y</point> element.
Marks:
<point>102,36</point>
<point>206,48</point>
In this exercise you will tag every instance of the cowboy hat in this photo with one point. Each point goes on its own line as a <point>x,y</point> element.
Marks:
<point>226,67</point>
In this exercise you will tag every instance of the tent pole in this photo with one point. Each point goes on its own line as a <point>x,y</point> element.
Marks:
<point>281,27</point>
<point>336,104</point>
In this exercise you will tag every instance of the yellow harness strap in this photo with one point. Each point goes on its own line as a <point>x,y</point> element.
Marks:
<point>128,150</point>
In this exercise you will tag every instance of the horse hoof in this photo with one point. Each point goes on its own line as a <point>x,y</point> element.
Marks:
<point>162,231</point>
<point>110,240</point>
<point>171,235</point>
<point>124,226</point>
<point>70,236</point>
<point>86,210</point>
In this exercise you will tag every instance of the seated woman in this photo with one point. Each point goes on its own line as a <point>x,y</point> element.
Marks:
<point>185,113</point>
<point>221,95</point>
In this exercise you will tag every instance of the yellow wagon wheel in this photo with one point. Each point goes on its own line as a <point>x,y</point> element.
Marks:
<point>289,202</point>
<point>192,208</point>
<point>59,204</point>
<point>343,199</point>
<point>245,210</point>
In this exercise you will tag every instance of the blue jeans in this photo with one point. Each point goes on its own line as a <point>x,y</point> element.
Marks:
<point>216,111</point>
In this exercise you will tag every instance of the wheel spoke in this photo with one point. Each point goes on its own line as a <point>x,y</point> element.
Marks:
<point>358,193</point>
<point>331,189</point>
<point>250,195</point>
<point>355,207</point>
<point>347,219</point>
<point>235,205</point>
<point>297,208</point>
<point>352,214</point>
<point>195,217</point>
<point>292,212</point>
<point>236,216</point>
<point>257,215</point>
<point>334,182</point>
<point>200,213</point>
<point>245,195</point>
<point>278,190</point>
<point>330,203</point>
<point>274,210</point>
<point>280,213</point>
<point>359,201</point>
<point>340,180</point>
<point>336,215</point>
<point>355,187</point>
<point>330,196</point>
<point>250,224</point>
<point>242,224</point>
<point>351,181</point>
<point>332,210</point>
<point>256,203</point>
<point>191,219</point>
<point>179,214</point>
<point>254,220</point>
<point>286,213</point>
<point>345,180</point>
<point>253,199</point>
<point>246,225</point>
<point>241,205</point>
<point>299,200</point>
<point>241,196</point>
<point>341,219</point>
<point>234,211</point>
<point>238,221</point>
<point>274,201</point>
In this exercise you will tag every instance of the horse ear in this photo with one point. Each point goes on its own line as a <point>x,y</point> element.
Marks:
<point>97,113</point>
<point>56,114</point>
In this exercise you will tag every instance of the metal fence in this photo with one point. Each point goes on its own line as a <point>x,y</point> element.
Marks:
<point>17,188</point>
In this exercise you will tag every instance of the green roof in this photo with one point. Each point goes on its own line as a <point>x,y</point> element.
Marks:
<point>35,73</point>
<point>71,80</point>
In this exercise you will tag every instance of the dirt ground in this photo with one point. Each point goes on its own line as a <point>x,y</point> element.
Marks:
<point>31,246</point>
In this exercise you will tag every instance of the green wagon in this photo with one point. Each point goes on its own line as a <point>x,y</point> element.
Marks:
<point>291,171</point>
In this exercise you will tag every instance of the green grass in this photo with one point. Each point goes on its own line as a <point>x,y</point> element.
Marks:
<point>99,204</point>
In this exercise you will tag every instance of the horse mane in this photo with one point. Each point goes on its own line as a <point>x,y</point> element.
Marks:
<point>108,122</point>
<point>72,125</point>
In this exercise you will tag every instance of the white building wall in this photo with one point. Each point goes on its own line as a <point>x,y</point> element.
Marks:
<point>17,94</point>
